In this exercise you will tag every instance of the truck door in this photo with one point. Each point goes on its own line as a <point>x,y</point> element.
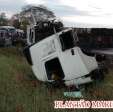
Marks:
<point>54,70</point>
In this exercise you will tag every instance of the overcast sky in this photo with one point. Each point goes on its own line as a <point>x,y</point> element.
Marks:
<point>72,12</point>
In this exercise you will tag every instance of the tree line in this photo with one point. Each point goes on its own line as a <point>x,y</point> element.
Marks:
<point>22,19</point>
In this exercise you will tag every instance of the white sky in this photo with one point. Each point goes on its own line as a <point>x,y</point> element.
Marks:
<point>11,7</point>
<point>90,12</point>
<point>72,12</point>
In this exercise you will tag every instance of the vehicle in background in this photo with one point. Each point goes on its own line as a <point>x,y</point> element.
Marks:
<point>6,34</point>
<point>19,37</point>
<point>9,35</point>
<point>95,38</point>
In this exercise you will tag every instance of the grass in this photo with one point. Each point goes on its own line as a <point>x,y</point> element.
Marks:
<point>20,91</point>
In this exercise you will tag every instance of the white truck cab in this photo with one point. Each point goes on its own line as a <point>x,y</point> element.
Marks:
<point>57,55</point>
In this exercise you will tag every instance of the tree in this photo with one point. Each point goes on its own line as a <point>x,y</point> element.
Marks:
<point>36,13</point>
<point>16,24</point>
<point>23,25</point>
<point>3,19</point>
<point>14,21</point>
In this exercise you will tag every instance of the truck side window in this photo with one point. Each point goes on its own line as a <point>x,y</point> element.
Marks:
<point>67,40</point>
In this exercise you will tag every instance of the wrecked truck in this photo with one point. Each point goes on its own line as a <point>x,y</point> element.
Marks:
<point>53,54</point>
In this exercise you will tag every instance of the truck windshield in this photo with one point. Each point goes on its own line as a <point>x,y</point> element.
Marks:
<point>46,29</point>
<point>67,40</point>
